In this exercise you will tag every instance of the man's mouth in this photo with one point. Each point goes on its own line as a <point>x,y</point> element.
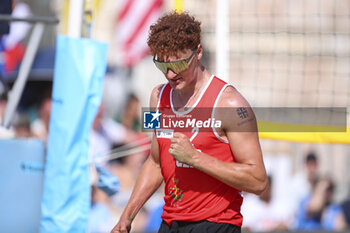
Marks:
<point>175,80</point>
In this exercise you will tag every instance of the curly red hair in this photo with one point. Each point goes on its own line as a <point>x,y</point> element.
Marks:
<point>172,33</point>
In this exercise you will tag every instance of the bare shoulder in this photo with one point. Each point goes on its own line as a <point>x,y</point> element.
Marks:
<point>155,95</point>
<point>234,111</point>
<point>231,97</point>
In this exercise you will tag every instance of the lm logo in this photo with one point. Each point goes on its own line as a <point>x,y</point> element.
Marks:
<point>151,120</point>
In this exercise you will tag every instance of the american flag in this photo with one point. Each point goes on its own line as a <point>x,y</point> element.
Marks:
<point>133,22</point>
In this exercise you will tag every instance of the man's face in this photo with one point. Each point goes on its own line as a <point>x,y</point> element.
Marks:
<point>311,168</point>
<point>179,81</point>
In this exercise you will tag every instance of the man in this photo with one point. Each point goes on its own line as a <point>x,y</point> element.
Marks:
<point>317,210</point>
<point>301,183</point>
<point>203,171</point>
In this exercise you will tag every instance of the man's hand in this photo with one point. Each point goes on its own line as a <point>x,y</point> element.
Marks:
<point>123,226</point>
<point>182,149</point>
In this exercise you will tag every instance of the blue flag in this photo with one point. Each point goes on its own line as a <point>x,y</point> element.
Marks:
<point>80,66</point>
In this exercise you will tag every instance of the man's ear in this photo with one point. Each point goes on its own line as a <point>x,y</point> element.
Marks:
<point>200,51</point>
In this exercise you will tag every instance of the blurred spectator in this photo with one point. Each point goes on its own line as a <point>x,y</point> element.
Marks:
<point>40,126</point>
<point>102,214</point>
<point>131,115</point>
<point>107,133</point>
<point>301,182</point>
<point>311,163</point>
<point>317,212</point>
<point>21,126</point>
<point>106,180</point>
<point>127,170</point>
<point>264,212</point>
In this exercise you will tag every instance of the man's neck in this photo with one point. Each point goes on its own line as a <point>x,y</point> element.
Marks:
<point>188,96</point>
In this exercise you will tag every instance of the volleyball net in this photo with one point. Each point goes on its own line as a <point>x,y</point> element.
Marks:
<point>286,53</point>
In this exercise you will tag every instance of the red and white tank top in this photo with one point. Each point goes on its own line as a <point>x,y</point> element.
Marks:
<point>190,194</point>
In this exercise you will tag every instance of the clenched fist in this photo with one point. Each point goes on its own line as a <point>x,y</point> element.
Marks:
<point>123,226</point>
<point>182,149</point>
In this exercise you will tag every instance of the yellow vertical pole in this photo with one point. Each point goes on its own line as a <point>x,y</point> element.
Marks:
<point>64,17</point>
<point>179,5</point>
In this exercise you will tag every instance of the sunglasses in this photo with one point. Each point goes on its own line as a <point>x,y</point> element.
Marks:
<point>176,66</point>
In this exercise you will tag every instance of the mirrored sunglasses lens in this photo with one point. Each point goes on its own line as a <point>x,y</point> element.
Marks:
<point>176,67</point>
<point>161,66</point>
<point>180,66</point>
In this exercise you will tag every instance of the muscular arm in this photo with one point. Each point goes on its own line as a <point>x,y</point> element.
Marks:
<point>147,183</point>
<point>248,172</point>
